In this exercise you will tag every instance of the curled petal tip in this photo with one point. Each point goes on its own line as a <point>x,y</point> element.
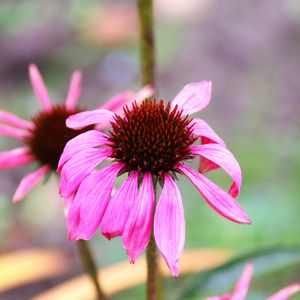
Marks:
<point>131,260</point>
<point>131,256</point>
<point>77,72</point>
<point>15,199</point>
<point>175,272</point>
<point>247,221</point>
<point>32,66</point>
<point>107,235</point>
<point>244,220</point>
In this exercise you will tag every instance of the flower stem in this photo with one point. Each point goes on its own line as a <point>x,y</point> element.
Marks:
<point>145,8</point>
<point>152,269</point>
<point>90,267</point>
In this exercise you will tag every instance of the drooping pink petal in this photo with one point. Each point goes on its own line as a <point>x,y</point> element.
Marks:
<point>28,182</point>
<point>137,231</point>
<point>201,129</point>
<point>208,136</point>
<point>205,164</point>
<point>15,121</point>
<point>223,158</point>
<point>118,209</point>
<point>286,293</point>
<point>223,203</point>
<point>241,289</point>
<point>90,203</point>
<point>16,133</point>
<point>80,166</point>
<point>193,97</point>
<point>15,158</point>
<point>169,224</point>
<point>74,90</point>
<point>86,118</point>
<point>39,87</point>
<point>67,204</point>
<point>89,139</point>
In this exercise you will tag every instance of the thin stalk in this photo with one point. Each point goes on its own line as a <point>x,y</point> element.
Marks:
<point>152,270</point>
<point>145,8</point>
<point>90,267</point>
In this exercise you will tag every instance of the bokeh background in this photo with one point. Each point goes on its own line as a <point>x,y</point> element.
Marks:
<point>251,52</point>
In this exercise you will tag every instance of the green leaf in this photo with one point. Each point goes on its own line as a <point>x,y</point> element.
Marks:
<point>223,278</point>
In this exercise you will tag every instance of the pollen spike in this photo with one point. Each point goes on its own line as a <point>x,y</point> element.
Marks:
<point>162,144</point>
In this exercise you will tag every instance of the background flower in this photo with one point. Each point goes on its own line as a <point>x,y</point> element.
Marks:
<point>45,136</point>
<point>240,291</point>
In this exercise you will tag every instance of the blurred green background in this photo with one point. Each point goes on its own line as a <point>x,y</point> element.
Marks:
<point>251,52</point>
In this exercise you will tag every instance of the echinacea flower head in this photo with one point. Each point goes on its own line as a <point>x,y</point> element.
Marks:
<point>240,291</point>
<point>45,136</point>
<point>151,142</point>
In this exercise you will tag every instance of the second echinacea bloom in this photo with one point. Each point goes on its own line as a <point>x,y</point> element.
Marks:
<point>45,136</point>
<point>150,142</point>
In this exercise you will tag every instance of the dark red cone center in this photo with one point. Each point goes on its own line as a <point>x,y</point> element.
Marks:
<point>51,134</point>
<point>151,137</point>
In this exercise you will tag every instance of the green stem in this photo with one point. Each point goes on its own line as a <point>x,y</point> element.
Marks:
<point>152,269</point>
<point>90,267</point>
<point>145,8</point>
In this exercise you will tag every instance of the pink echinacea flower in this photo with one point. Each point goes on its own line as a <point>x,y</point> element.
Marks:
<point>149,141</point>
<point>241,289</point>
<point>45,136</point>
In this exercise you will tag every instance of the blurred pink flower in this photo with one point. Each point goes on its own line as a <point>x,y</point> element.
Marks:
<point>241,289</point>
<point>45,136</point>
<point>150,142</point>
<point>110,25</point>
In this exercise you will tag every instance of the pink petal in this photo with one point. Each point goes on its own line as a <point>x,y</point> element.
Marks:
<point>201,129</point>
<point>145,92</point>
<point>193,97</point>
<point>89,139</point>
<point>117,102</point>
<point>118,209</point>
<point>169,224</point>
<point>74,90</point>
<point>80,166</point>
<point>28,182</point>
<point>223,297</point>
<point>86,118</point>
<point>205,164</point>
<point>67,204</point>
<point>15,158</point>
<point>39,87</point>
<point>241,289</point>
<point>223,158</point>
<point>286,293</point>
<point>15,121</point>
<point>223,203</point>
<point>16,133</point>
<point>137,231</point>
<point>90,202</point>
<point>208,136</point>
